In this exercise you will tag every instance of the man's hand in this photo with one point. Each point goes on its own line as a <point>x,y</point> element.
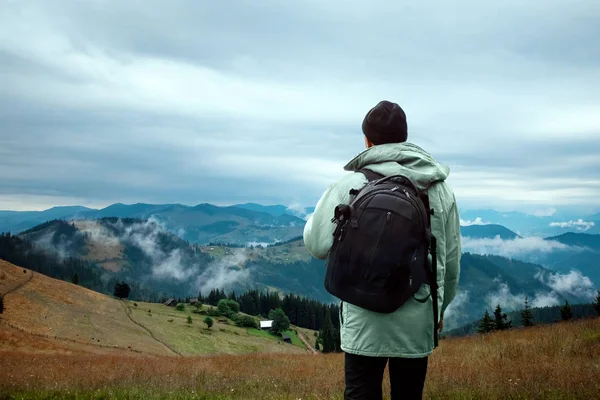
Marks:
<point>441,326</point>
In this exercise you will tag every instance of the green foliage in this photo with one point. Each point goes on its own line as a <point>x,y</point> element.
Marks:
<point>228,308</point>
<point>565,312</point>
<point>180,307</point>
<point>189,320</point>
<point>486,324</point>
<point>122,290</point>
<point>597,303</point>
<point>328,336</point>
<point>317,344</point>
<point>526,314</point>
<point>246,322</point>
<point>281,322</point>
<point>209,322</point>
<point>75,279</point>
<point>213,312</point>
<point>501,319</point>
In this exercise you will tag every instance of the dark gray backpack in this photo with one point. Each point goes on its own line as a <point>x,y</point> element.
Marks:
<point>379,257</point>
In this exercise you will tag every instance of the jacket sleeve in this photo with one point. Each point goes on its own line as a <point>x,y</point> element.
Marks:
<point>453,255</point>
<point>318,231</point>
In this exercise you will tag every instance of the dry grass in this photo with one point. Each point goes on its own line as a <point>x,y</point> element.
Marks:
<point>560,361</point>
<point>56,309</point>
<point>551,362</point>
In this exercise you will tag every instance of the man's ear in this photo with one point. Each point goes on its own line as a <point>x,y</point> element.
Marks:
<point>368,143</point>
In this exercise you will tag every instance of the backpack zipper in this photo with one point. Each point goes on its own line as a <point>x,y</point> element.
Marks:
<point>388,218</point>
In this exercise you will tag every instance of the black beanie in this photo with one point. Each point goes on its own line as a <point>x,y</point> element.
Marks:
<point>385,123</point>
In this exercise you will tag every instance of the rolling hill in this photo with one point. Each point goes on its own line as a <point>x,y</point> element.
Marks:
<point>202,224</point>
<point>161,264</point>
<point>157,263</point>
<point>46,308</point>
<point>489,231</point>
<point>582,254</point>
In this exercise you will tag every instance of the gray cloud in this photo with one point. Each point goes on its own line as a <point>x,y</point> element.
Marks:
<point>225,272</point>
<point>529,247</point>
<point>218,102</point>
<point>580,224</point>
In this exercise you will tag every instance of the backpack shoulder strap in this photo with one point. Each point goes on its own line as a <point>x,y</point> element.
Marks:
<point>370,175</point>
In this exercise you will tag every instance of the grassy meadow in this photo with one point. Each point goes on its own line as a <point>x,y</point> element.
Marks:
<point>560,361</point>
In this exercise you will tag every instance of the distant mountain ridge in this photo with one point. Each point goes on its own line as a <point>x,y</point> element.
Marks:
<point>203,223</point>
<point>488,231</point>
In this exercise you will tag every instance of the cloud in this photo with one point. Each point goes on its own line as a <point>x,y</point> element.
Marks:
<point>456,313</point>
<point>573,283</point>
<point>544,212</point>
<point>512,302</point>
<point>529,246</point>
<point>58,246</point>
<point>549,299</point>
<point>224,273</point>
<point>212,98</point>
<point>580,224</point>
<point>476,221</point>
<point>505,298</point>
<point>298,210</point>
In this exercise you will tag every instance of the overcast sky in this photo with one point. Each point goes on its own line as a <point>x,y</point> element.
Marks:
<point>233,101</point>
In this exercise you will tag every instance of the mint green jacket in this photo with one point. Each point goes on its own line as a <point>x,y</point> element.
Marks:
<point>407,332</point>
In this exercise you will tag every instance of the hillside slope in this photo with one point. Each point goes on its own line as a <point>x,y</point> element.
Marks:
<point>558,361</point>
<point>51,308</point>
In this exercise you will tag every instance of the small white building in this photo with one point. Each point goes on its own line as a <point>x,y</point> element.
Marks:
<point>266,325</point>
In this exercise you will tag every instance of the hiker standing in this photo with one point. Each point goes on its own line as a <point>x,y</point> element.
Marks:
<point>393,253</point>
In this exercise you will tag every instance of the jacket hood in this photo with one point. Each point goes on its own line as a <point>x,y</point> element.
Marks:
<point>401,158</point>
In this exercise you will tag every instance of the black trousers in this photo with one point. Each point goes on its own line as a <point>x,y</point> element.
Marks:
<point>364,377</point>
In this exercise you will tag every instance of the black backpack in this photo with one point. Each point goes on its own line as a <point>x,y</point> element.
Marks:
<point>381,244</point>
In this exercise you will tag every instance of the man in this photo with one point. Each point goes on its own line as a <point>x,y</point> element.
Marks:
<point>405,336</point>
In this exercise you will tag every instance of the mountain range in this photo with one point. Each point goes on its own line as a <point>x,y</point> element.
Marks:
<point>146,252</point>
<point>204,223</point>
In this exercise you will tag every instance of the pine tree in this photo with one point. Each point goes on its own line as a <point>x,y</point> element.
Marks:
<point>486,324</point>
<point>526,314</point>
<point>500,319</point>
<point>327,335</point>
<point>597,303</point>
<point>317,344</point>
<point>75,279</point>
<point>565,312</point>
<point>208,321</point>
<point>122,290</point>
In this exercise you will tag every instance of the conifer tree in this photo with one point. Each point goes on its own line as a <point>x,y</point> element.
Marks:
<point>565,312</point>
<point>501,319</point>
<point>75,279</point>
<point>486,324</point>
<point>597,303</point>
<point>526,314</point>
<point>327,335</point>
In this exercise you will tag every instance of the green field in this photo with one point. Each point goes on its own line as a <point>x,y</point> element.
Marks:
<point>265,334</point>
<point>170,326</point>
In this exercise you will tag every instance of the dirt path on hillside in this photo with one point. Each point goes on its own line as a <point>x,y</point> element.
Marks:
<point>309,347</point>
<point>128,313</point>
<point>18,286</point>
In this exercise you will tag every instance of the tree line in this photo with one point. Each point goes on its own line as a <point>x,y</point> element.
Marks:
<point>301,312</point>
<point>527,316</point>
